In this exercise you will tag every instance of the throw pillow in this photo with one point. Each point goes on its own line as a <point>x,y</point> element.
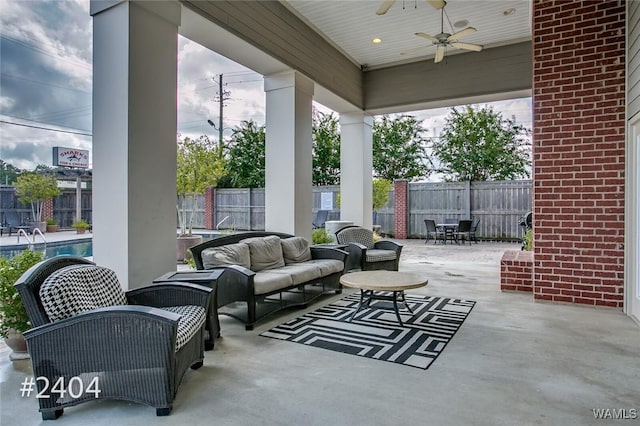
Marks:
<point>295,250</point>
<point>266,252</point>
<point>230,254</point>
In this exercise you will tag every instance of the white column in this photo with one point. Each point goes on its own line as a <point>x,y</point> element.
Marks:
<point>288,194</point>
<point>134,138</point>
<point>356,165</point>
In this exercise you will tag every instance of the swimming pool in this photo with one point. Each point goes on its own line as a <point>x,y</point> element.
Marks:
<point>74,248</point>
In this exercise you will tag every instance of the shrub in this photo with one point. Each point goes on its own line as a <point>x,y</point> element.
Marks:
<point>321,236</point>
<point>13,315</point>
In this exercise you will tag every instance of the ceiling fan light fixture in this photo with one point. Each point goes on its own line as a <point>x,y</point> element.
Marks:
<point>461,24</point>
<point>509,12</point>
<point>376,40</point>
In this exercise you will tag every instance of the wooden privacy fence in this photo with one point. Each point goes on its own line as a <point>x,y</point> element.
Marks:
<point>498,205</point>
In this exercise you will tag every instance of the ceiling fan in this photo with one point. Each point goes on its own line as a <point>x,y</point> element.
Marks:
<point>386,5</point>
<point>444,40</point>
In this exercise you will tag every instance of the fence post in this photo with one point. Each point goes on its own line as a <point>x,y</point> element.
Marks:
<point>210,208</point>
<point>401,207</point>
<point>467,199</point>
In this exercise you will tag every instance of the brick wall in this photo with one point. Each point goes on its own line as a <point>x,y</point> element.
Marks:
<point>401,213</point>
<point>579,150</point>
<point>516,271</point>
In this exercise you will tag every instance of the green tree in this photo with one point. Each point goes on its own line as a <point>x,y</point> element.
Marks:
<point>245,165</point>
<point>399,150</point>
<point>381,188</point>
<point>199,166</point>
<point>36,189</point>
<point>326,149</point>
<point>479,145</point>
<point>8,173</point>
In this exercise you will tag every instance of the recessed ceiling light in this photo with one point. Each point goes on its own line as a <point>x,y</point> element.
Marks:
<point>461,24</point>
<point>376,40</point>
<point>509,12</point>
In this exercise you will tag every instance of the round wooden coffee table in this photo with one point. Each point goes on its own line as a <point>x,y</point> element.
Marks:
<point>370,282</point>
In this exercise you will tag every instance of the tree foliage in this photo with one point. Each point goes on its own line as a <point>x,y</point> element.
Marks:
<point>381,188</point>
<point>326,149</point>
<point>399,150</point>
<point>8,173</point>
<point>199,166</point>
<point>480,145</point>
<point>36,189</point>
<point>246,161</point>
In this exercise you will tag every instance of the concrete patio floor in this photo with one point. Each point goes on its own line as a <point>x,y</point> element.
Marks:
<point>513,362</point>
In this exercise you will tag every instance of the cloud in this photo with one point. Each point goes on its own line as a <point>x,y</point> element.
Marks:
<point>46,81</point>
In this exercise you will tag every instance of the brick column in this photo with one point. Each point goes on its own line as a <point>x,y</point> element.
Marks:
<point>579,151</point>
<point>516,271</point>
<point>47,209</point>
<point>209,208</point>
<point>401,208</point>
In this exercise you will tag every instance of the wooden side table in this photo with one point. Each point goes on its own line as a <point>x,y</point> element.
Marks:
<point>206,278</point>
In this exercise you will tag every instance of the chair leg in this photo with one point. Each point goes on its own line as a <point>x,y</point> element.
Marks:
<point>163,411</point>
<point>196,365</point>
<point>52,415</point>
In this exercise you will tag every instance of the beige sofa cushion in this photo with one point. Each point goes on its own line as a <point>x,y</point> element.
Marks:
<point>230,254</point>
<point>295,250</point>
<point>266,252</point>
<point>300,273</point>
<point>328,266</point>
<point>268,281</point>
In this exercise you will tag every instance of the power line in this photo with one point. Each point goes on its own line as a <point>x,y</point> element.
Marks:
<point>44,52</point>
<point>46,128</point>
<point>44,122</point>
<point>43,83</point>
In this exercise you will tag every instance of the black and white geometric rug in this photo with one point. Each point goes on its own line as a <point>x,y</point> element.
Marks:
<point>375,333</point>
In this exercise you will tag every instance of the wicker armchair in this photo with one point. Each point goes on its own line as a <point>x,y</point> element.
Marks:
<point>88,334</point>
<point>364,253</point>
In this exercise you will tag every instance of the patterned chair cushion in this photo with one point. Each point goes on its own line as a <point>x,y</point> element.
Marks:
<point>377,255</point>
<point>266,252</point>
<point>356,235</point>
<point>230,254</point>
<point>75,289</point>
<point>295,250</point>
<point>191,321</point>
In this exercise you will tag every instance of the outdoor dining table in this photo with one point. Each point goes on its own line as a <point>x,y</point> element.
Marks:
<point>449,230</point>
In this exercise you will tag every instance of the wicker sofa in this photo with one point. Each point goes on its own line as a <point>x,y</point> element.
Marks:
<point>265,272</point>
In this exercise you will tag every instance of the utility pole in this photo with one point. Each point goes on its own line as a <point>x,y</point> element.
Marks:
<point>223,95</point>
<point>220,120</point>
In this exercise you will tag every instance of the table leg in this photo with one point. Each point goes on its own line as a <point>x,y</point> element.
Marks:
<point>359,305</point>
<point>406,305</point>
<point>395,307</point>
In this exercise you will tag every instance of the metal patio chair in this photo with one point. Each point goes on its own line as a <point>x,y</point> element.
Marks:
<point>433,231</point>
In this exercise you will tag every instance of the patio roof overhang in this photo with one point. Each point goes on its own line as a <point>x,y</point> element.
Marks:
<point>284,41</point>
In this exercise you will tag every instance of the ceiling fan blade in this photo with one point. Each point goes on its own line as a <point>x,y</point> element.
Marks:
<point>467,46</point>
<point>427,36</point>
<point>462,33</point>
<point>415,50</point>
<point>439,53</point>
<point>384,7</point>
<point>437,4</point>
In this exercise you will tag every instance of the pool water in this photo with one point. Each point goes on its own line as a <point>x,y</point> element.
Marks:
<point>82,249</point>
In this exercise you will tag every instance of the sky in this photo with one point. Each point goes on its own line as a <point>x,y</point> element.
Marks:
<point>46,81</point>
